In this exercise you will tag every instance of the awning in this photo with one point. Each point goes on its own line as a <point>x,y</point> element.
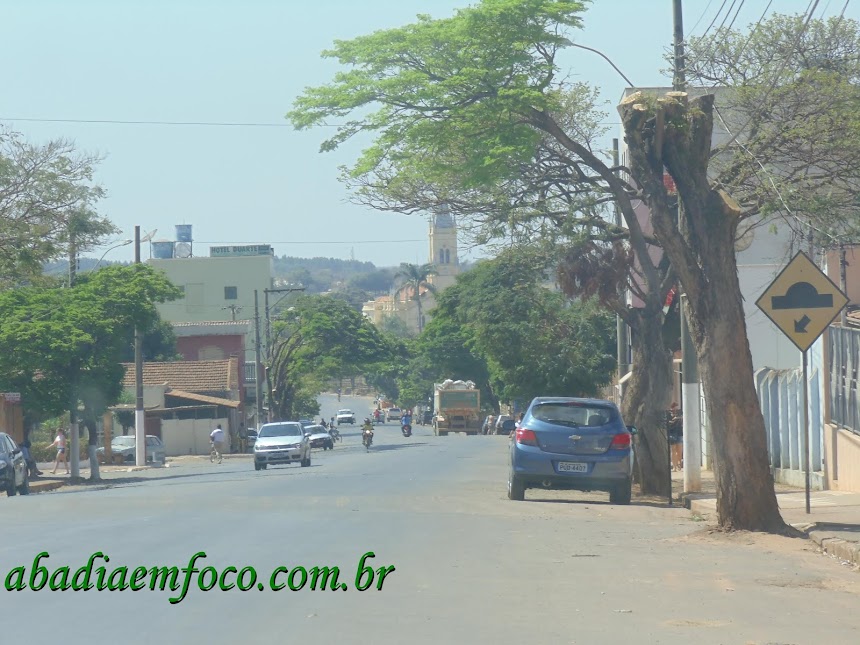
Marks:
<point>203,398</point>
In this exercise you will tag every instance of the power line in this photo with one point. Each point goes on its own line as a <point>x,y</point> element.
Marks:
<point>719,11</point>
<point>180,123</point>
<point>234,243</point>
<point>708,6</point>
<point>217,124</point>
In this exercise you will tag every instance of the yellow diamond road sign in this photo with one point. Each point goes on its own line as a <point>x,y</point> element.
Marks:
<point>802,301</point>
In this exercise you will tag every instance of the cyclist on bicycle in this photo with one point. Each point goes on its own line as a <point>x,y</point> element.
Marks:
<point>217,438</point>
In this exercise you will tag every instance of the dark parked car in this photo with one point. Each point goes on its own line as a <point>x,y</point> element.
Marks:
<point>568,443</point>
<point>14,476</point>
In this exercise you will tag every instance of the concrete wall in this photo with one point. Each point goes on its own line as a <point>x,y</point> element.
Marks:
<point>189,436</point>
<point>841,459</point>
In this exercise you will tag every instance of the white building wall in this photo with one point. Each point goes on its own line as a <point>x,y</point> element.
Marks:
<point>204,280</point>
<point>188,436</point>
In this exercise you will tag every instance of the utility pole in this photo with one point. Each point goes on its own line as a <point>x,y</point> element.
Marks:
<point>691,401</point>
<point>74,429</point>
<point>233,309</point>
<point>139,415</point>
<point>620,326</point>
<point>843,283</point>
<point>257,389</point>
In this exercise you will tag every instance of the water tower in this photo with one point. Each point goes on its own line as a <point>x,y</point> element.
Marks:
<point>184,242</point>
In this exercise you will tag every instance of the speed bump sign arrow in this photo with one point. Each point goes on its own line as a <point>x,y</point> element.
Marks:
<point>802,301</point>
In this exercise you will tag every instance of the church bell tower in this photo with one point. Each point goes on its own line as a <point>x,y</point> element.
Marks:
<point>443,249</point>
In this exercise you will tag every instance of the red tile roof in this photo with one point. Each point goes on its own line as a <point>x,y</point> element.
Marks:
<point>190,376</point>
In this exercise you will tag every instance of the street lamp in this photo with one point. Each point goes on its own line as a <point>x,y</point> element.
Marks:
<point>115,246</point>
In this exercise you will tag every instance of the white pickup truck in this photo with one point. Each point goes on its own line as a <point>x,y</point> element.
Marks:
<point>345,416</point>
<point>393,414</point>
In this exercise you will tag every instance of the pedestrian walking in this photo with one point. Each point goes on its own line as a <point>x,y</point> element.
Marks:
<point>60,444</point>
<point>676,436</point>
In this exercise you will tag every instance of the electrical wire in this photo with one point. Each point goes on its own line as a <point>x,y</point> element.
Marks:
<point>708,6</point>
<point>719,11</point>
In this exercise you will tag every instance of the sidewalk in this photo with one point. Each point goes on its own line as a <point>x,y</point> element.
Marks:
<point>833,522</point>
<point>47,481</point>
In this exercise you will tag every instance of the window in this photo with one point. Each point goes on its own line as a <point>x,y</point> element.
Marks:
<point>230,293</point>
<point>447,256</point>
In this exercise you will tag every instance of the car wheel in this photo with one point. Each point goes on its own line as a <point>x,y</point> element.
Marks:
<point>516,489</point>
<point>621,494</point>
<point>263,466</point>
<point>306,462</point>
<point>25,486</point>
<point>257,466</point>
<point>11,491</point>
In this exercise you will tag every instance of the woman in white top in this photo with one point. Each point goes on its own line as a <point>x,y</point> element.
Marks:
<point>60,443</point>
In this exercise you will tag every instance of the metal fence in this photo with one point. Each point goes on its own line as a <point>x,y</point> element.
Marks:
<point>844,359</point>
<point>780,394</point>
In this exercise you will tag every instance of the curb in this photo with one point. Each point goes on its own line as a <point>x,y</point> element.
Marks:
<point>44,487</point>
<point>844,550</point>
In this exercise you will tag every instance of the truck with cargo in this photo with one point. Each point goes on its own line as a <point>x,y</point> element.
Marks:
<point>458,407</point>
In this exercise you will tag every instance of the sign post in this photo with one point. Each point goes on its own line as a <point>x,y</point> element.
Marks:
<point>802,301</point>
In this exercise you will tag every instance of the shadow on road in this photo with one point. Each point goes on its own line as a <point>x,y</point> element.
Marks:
<point>653,503</point>
<point>400,446</point>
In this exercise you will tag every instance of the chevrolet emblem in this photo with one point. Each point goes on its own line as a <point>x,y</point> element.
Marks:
<point>574,437</point>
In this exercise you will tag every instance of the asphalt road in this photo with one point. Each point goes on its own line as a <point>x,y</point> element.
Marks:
<point>470,566</point>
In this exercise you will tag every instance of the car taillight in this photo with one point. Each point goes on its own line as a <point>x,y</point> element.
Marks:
<point>526,437</point>
<point>620,441</point>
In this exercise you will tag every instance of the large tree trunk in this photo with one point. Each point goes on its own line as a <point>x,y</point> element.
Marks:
<point>645,402</point>
<point>677,136</point>
<point>745,493</point>
<point>92,449</point>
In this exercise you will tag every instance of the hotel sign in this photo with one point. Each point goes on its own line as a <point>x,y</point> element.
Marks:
<point>233,251</point>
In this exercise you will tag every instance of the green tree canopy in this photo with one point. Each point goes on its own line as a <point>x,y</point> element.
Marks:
<point>59,345</point>
<point>317,338</point>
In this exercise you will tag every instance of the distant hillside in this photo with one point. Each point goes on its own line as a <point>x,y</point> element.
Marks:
<point>317,275</point>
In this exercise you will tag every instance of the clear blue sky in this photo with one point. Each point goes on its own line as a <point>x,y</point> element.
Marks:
<point>231,61</point>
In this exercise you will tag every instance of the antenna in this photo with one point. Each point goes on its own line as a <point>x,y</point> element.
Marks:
<point>352,253</point>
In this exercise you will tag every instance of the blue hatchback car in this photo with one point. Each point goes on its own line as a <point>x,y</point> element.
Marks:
<point>572,443</point>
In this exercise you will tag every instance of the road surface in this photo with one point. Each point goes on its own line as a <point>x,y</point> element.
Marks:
<point>469,565</point>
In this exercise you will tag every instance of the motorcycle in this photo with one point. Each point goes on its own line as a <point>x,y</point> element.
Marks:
<point>407,430</point>
<point>367,438</point>
<point>335,433</point>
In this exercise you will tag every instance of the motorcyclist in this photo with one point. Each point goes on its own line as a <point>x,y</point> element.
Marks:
<point>367,430</point>
<point>406,419</point>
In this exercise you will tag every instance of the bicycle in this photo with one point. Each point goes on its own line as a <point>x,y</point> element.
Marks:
<point>214,453</point>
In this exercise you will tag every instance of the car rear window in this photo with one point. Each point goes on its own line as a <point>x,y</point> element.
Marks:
<point>574,414</point>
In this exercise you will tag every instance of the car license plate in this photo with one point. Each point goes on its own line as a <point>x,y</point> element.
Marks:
<point>572,467</point>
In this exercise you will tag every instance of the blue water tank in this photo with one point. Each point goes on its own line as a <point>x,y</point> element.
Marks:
<point>162,250</point>
<point>183,233</point>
